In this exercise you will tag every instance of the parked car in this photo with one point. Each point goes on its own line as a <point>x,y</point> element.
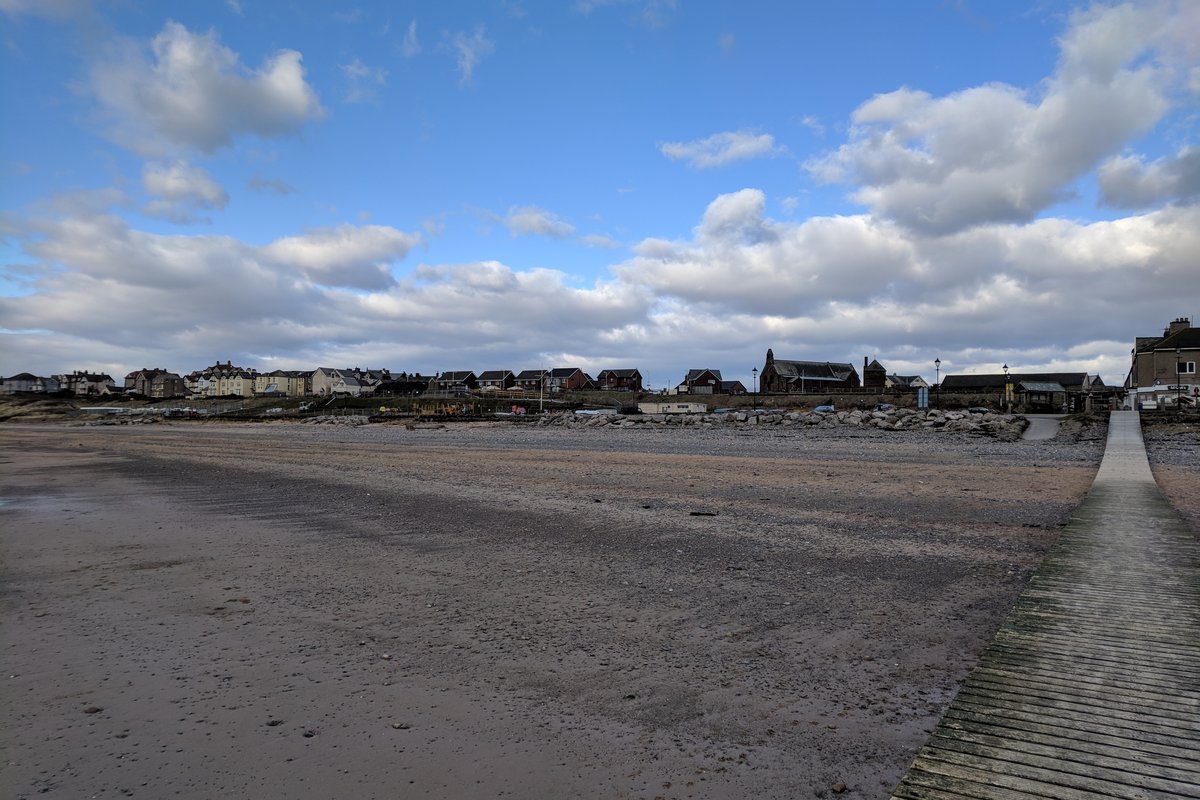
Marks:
<point>884,407</point>
<point>979,410</point>
<point>829,409</point>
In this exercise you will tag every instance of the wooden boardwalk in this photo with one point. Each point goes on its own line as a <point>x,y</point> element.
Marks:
<point>1091,688</point>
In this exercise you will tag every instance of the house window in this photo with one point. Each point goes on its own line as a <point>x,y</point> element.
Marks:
<point>1186,367</point>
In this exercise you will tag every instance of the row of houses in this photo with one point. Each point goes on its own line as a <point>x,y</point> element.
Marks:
<point>229,380</point>
<point>1161,367</point>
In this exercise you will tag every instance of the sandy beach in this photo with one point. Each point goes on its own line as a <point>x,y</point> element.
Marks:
<point>480,611</point>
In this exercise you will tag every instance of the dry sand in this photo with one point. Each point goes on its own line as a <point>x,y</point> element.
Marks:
<point>276,611</point>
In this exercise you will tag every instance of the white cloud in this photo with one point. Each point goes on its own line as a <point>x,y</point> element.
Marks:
<point>469,50</point>
<point>279,301</point>
<point>813,124</point>
<point>363,81</point>
<point>193,93</point>
<point>833,288</point>
<point>235,6</point>
<point>180,190</point>
<point>410,46</point>
<point>993,153</point>
<point>534,221</point>
<point>721,148</point>
<point>599,240</point>
<point>348,255</point>
<point>864,280</point>
<point>1128,182</point>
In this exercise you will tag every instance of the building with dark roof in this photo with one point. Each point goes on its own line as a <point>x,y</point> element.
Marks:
<point>784,376</point>
<point>497,380</point>
<point>619,380</point>
<point>1167,361</point>
<point>1036,392</point>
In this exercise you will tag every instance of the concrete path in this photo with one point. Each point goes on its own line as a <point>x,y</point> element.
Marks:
<point>1091,688</point>
<point>1042,426</point>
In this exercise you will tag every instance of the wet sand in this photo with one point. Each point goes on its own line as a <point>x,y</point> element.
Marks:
<point>287,611</point>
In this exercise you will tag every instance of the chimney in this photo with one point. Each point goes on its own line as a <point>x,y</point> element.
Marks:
<point>1180,324</point>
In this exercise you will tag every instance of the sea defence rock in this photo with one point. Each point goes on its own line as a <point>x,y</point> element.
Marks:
<point>1006,427</point>
<point>353,420</point>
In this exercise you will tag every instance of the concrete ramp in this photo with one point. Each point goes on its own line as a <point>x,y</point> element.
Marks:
<point>1042,426</point>
<point>1091,687</point>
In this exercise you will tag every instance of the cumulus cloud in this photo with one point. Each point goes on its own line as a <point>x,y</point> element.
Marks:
<point>743,262</point>
<point>721,149</point>
<point>534,221</point>
<point>870,280</point>
<point>193,93</point>
<point>1128,182</point>
<point>180,190</point>
<point>828,288</point>
<point>469,50</point>
<point>996,153</point>
<point>348,255</point>
<point>278,301</point>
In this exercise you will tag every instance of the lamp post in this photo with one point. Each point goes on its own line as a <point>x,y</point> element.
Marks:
<point>937,381</point>
<point>1006,397</point>
<point>754,375</point>
<point>1178,381</point>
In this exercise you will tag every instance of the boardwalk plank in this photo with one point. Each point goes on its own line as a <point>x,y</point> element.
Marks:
<point>1092,761</point>
<point>1168,712</point>
<point>1068,714</point>
<point>1091,687</point>
<point>1045,777</point>
<point>1147,743</point>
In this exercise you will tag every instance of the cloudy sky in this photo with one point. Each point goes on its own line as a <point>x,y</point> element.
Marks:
<point>661,184</point>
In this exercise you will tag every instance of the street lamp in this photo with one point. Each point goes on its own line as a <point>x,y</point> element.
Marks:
<point>754,374</point>
<point>937,381</point>
<point>1178,381</point>
<point>1006,397</point>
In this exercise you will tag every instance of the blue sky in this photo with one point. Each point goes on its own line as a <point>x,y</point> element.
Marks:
<point>602,183</point>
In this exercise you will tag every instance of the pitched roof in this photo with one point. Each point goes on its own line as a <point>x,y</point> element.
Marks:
<point>564,372</point>
<point>694,374</point>
<point>531,374</point>
<point>494,374</point>
<point>812,370</point>
<point>1074,380</point>
<point>1186,339</point>
<point>1041,386</point>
